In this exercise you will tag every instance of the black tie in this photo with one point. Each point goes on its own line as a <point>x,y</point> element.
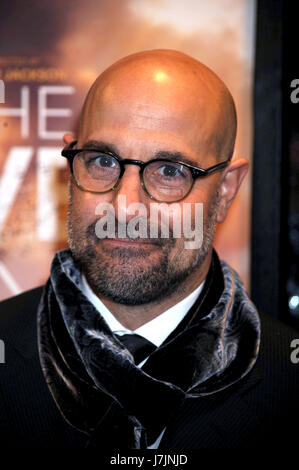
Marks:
<point>138,346</point>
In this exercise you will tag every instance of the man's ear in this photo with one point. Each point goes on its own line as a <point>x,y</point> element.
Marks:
<point>68,138</point>
<point>229,185</point>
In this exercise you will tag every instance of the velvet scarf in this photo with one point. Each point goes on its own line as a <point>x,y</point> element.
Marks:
<point>93,378</point>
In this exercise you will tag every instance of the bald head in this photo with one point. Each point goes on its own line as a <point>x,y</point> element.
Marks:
<point>151,87</point>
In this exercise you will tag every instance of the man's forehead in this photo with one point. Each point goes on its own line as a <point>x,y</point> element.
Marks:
<point>147,129</point>
<point>142,109</point>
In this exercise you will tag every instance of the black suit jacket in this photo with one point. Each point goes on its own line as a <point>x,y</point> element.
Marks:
<point>260,411</point>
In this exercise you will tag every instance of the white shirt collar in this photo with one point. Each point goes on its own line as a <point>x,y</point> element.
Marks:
<point>156,330</point>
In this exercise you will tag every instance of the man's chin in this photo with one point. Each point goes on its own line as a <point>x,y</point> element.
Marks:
<point>128,249</point>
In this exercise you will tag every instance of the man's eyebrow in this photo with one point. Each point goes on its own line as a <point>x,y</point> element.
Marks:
<point>165,154</point>
<point>101,146</point>
<point>175,156</point>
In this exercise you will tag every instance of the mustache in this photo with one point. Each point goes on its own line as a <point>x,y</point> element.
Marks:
<point>91,233</point>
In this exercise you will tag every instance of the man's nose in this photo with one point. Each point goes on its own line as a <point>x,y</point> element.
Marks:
<point>128,192</point>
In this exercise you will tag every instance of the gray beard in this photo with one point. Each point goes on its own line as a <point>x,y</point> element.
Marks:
<point>118,272</point>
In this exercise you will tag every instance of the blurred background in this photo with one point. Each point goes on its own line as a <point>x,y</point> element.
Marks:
<point>51,52</point>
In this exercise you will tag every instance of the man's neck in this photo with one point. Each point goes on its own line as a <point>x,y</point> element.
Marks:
<point>134,316</point>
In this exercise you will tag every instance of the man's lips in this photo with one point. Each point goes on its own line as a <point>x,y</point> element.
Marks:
<point>132,242</point>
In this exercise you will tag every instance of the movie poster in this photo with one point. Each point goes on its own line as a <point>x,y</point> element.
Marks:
<point>50,53</point>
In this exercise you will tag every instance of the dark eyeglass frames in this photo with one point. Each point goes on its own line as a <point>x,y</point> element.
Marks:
<point>162,179</point>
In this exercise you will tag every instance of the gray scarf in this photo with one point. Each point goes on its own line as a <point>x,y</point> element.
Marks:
<point>93,378</point>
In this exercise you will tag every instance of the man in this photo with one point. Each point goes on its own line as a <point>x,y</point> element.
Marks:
<point>139,340</point>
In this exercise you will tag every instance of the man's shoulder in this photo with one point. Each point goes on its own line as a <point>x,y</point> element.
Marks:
<point>276,393</point>
<point>275,354</point>
<point>26,302</point>
<point>29,416</point>
<point>276,337</point>
<point>18,321</point>
<point>24,297</point>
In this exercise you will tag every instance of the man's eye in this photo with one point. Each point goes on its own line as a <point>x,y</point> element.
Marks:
<point>106,161</point>
<point>171,171</point>
<point>101,160</point>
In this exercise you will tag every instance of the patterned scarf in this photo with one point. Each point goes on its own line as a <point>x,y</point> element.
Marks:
<point>93,378</point>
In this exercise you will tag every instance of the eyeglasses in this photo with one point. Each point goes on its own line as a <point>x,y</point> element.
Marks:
<point>162,179</point>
